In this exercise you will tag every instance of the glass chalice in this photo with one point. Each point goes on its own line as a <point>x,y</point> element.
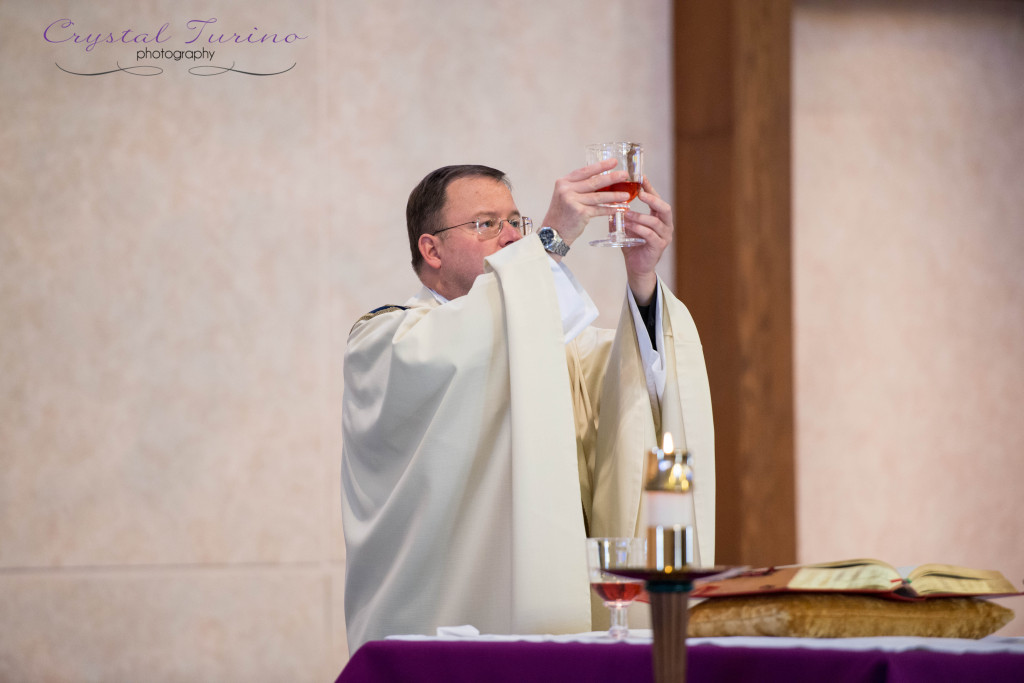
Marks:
<point>630,156</point>
<point>617,592</point>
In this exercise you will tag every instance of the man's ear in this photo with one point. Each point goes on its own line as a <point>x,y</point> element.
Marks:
<point>428,245</point>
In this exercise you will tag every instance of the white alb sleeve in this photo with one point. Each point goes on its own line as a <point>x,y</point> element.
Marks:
<point>575,305</point>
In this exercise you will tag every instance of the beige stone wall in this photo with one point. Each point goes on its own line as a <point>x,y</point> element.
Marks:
<point>909,283</point>
<point>181,257</point>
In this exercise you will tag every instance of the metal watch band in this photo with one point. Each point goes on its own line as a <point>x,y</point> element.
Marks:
<point>552,241</point>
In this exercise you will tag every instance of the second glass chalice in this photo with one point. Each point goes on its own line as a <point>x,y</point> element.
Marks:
<point>617,592</point>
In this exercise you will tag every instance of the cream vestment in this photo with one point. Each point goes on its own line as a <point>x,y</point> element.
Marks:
<point>480,449</point>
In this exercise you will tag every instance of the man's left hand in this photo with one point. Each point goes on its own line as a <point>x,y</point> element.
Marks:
<point>655,227</point>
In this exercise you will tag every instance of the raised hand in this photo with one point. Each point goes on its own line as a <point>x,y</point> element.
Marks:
<point>576,199</point>
<point>656,228</point>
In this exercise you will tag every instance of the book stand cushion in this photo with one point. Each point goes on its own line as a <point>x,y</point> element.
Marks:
<point>835,615</point>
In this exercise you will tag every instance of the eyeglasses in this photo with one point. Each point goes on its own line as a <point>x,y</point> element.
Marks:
<point>488,228</point>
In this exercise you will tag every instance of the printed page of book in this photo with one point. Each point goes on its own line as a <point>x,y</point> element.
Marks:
<point>945,578</point>
<point>864,575</point>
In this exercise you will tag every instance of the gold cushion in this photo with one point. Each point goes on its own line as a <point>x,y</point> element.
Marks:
<point>818,615</point>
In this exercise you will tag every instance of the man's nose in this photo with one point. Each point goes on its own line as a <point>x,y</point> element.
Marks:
<point>508,234</point>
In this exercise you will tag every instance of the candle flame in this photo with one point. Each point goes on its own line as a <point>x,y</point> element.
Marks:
<point>667,445</point>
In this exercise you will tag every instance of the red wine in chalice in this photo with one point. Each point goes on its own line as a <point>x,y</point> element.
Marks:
<point>633,188</point>
<point>618,591</point>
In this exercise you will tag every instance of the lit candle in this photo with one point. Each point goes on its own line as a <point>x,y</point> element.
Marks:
<point>668,497</point>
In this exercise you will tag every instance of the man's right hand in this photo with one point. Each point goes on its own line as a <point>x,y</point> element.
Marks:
<point>576,199</point>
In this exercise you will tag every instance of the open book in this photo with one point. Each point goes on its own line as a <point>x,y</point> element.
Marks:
<point>863,576</point>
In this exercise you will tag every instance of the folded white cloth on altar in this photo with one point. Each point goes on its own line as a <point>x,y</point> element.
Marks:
<point>464,631</point>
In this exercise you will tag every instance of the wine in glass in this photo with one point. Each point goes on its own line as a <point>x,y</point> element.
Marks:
<point>616,591</point>
<point>630,156</point>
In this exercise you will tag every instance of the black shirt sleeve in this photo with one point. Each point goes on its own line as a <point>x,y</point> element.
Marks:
<point>649,314</point>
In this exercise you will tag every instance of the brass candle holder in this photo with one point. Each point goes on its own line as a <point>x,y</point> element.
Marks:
<point>669,592</point>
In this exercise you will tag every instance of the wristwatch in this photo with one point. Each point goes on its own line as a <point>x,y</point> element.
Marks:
<point>552,241</point>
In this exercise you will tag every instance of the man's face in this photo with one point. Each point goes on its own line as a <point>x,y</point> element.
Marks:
<point>461,250</point>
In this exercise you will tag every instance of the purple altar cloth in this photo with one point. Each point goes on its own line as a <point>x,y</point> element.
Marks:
<point>394,661</point>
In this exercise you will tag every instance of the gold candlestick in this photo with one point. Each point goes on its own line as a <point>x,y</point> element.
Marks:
<point>668,494</point>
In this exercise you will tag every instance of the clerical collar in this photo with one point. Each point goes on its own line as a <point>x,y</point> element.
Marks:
<point>440,299</point>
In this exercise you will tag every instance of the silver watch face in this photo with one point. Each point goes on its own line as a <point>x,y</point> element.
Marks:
<point>552,242</point>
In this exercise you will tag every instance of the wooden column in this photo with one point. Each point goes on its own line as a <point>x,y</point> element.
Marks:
<point>733,257</point>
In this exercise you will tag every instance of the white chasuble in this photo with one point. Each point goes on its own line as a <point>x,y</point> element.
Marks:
<point>467,464</point>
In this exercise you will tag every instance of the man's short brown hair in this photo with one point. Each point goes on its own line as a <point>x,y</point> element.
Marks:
<point>423,212</point>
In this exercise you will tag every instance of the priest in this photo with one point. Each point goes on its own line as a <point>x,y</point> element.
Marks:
<point>488,428</point>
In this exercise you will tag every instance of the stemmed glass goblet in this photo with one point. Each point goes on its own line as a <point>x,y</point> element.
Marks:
<point>617,592</point>
<point>630,156</point>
